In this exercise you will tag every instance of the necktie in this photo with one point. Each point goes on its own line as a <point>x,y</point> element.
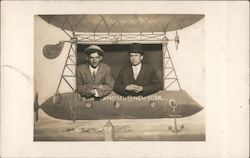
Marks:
<point>94,73</point>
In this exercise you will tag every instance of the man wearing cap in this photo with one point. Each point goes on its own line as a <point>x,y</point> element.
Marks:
<point>138,78</point>
<point>94,79</point>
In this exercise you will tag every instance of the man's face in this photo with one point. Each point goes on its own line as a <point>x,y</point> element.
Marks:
<point>135,58</point>
<point>94,59</point>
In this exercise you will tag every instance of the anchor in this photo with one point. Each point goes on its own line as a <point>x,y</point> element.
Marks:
<point>173,104</point>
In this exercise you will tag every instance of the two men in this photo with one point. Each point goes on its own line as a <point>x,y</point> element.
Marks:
<point>95,80</point>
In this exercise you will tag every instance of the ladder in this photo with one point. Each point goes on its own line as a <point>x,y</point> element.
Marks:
<point>170,77</point>
<point>69,69</point>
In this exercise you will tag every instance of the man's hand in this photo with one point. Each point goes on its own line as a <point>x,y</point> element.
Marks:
<point>89,94</point>
<point>134,88</point>
<point>130,87</point>
<point>101,87</point>
<point>94,92</point>
<point>138,89</point>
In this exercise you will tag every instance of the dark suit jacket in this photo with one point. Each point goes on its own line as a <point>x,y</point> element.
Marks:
<point>103,83</point>
<point>147,78</point>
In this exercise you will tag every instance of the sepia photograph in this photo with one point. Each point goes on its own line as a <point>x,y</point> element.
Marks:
<point>114,77</point>
<point>124,79</point>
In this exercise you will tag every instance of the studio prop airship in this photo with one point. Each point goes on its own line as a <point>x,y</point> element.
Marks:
<point>118,29</point>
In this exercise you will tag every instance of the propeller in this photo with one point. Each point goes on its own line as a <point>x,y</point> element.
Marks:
<point>51,51</point>
<point>36,106</point>
<point>177,40</point>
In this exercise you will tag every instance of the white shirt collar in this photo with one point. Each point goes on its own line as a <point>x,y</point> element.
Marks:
<point>137,67</point>
<point>93,69</point>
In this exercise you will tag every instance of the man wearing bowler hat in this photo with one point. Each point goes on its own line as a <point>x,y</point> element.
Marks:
<point>94,79</point>
<point>138,78</point>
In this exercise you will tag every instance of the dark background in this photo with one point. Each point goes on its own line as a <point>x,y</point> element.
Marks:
<point>117,57</point>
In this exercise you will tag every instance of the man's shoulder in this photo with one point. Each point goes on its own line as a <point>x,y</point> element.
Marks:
<point>146,66</point>
<point>105,66</point>
<point>83,66</point>
<point>125,69</point>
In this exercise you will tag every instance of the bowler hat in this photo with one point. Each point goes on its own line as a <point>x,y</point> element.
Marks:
<point>92,49</point>
<point>136,48</point>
